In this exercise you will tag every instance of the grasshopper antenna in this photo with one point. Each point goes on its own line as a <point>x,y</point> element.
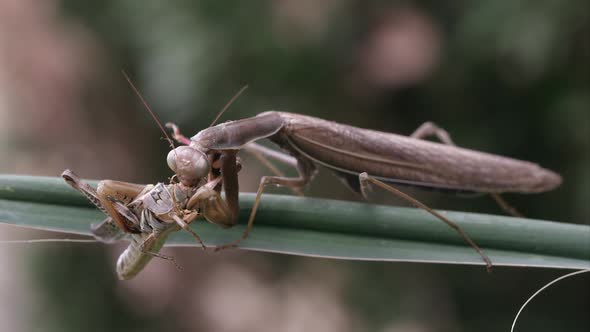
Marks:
<point>148,108</point>
<point>229,103</point>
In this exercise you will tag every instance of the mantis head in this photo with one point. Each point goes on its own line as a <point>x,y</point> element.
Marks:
<point>189,164</point>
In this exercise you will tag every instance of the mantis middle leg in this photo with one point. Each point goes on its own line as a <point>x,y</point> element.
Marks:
<point>365,180</point>
<point>306,170</point>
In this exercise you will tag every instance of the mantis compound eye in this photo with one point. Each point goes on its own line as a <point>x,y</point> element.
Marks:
<point>191,165</point>
<point>171,160</point>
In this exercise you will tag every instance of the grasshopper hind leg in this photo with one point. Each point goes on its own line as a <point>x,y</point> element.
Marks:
<point>107,231</point>
<point>110,192</point>
<point>107,198</point>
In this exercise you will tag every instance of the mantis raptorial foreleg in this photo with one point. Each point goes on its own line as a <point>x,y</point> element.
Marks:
<point>229,173</point>
<point>215,209</point>
<point>180,138</point>
<point>211,204</point>
<point>430,129</point>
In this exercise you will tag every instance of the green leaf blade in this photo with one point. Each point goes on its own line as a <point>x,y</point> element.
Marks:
<point>328,228</point>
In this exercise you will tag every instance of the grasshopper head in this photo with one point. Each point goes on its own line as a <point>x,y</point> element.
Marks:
<point>189,164</point>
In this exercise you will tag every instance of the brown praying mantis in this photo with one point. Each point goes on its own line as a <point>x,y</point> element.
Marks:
<point>361,157</point>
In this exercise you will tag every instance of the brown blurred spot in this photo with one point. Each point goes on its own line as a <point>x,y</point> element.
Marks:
<point>58,108</point>
<point>401,49</point>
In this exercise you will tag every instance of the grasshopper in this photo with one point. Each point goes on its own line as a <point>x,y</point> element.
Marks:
<point>148,214</point>
<point>361,157</point>
<point>145,213</point>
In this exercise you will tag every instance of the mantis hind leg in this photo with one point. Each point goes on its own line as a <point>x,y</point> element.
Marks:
<point>365,180</point>
<point>428,129</point>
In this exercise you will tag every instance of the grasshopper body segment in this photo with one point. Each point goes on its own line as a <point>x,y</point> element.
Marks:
<point>144,246</point>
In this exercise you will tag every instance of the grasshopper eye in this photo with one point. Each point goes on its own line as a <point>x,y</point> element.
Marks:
<point>190,164</point>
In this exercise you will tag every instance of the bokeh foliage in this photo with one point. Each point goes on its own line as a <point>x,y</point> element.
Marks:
<point>511,78</point>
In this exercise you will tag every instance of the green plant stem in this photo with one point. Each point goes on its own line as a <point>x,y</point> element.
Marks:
<point>328,228</point>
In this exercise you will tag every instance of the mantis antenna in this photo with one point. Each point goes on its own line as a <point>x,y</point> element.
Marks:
<point>229,103</point>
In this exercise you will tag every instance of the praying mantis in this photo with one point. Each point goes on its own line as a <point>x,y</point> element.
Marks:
<point>361,157</point>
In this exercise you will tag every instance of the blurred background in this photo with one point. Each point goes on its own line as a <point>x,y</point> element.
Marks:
<point>506,77</point>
